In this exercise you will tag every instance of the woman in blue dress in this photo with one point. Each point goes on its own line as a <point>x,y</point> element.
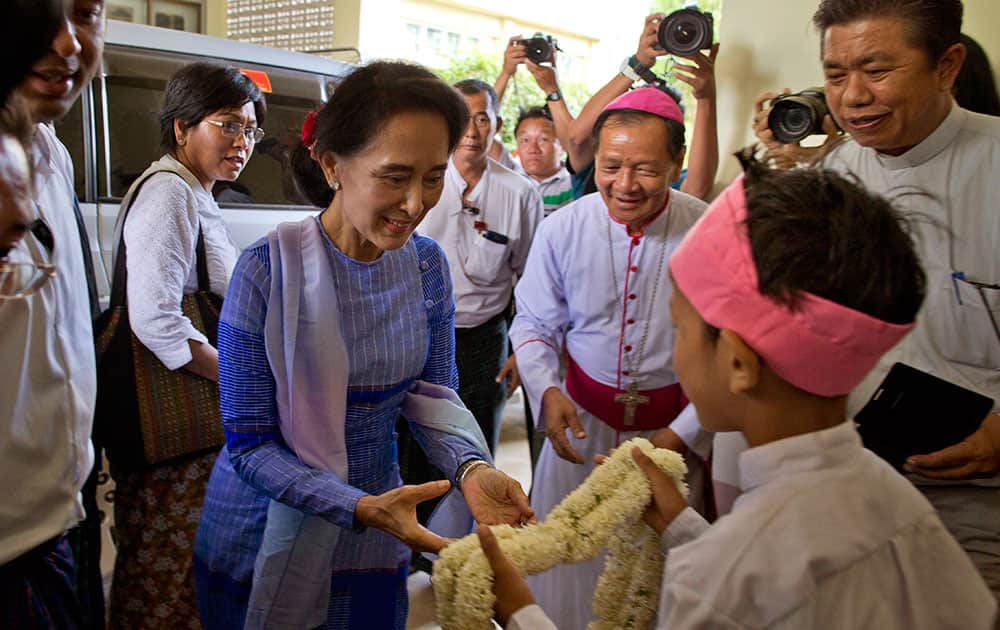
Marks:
<point>331,328</point>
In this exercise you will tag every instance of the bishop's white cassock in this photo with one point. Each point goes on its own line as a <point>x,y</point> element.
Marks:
<point>604,295</point>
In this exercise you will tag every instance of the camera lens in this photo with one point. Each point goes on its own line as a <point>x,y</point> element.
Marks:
<point>685,32</point>
<point>797,116</point>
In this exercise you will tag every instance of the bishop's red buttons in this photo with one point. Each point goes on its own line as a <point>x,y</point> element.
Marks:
<point>628,348</point>
<point>631,321</point>
<point>625,372</point>
<point>635,240</point>
<point>632,296</point>
<point>634,269</point>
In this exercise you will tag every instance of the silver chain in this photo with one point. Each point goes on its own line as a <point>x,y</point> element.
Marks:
<point>632,361</point>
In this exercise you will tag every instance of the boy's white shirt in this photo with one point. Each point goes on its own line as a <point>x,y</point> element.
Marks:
<point>825,535</point>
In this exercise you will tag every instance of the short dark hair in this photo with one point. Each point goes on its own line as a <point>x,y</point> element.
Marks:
<point>933,25</point>
<point>812,230</point>
<point>471,87</point>
<point>201,88</point>
<point>975,87</point>
<point>533,113</point>
<point>362,105</point>
<point>27,32</point>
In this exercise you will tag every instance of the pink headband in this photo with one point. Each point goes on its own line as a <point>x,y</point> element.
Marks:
<point>651,101</point>
<point>820,346</point>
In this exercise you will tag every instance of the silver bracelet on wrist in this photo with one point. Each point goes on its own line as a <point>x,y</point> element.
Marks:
<point>467,467</point>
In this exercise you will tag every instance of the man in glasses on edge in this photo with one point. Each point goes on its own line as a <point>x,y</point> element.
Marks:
<point>47,347</point>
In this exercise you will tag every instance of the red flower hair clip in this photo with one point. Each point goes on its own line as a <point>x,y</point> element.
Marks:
<point>309,132</point>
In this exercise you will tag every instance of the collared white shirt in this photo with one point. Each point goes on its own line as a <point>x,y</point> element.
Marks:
<point>571,290</point>
<point>956,228</point>
<point>160,237</point>
<point>484,272</point>
<point>826,535</point>
<point>49,387</point>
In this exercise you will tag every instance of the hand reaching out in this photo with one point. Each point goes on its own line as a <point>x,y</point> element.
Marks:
<point>509,586</point>
<point>395,512</point>
<point>700,74</point>
<point>494,498</point>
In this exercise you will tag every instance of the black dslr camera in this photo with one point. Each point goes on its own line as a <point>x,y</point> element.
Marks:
<point>540,47</point>
<point>796,116</point>
<point>686,31</point>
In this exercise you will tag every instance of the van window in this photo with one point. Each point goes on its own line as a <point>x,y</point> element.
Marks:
<point>70,130</point>
<point>135,82</point>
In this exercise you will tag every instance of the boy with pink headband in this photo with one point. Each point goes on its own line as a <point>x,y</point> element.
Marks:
<point>779,311</point>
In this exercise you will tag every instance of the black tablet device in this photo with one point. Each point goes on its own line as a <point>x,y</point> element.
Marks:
<point>913,413</point>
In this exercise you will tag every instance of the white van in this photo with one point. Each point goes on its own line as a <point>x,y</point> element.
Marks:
<point>113,131</point>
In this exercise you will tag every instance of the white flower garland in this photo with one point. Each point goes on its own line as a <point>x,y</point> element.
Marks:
<point>604,512</point>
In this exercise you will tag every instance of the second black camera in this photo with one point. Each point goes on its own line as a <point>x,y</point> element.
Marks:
<point>540,47</point>
<point>797,116</point>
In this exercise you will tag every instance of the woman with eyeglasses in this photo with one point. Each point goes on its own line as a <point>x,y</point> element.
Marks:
<point>210,121</point>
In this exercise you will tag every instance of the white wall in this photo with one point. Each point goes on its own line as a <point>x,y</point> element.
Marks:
<point>770,44</point>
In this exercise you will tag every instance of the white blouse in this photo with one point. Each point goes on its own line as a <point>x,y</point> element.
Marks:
<point>161,233</point>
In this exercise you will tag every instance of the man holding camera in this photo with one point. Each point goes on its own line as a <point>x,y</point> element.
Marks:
<point>889,71</point>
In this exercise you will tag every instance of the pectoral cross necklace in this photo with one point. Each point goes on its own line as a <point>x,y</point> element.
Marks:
<point>632,398</point>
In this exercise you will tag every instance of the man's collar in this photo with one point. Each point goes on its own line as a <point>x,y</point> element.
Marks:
<point>454,178</point>
<point>937,141</point>
<point>559,174</point>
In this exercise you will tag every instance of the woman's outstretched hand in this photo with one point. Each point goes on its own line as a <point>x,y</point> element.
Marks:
<point>494,498</point>
<point>395,512</point>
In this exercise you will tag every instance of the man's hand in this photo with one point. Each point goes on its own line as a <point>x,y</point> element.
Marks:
<point>514,55</point>
<point>667,501</point>
<point>509,369</point>
<point>789,155</point>
<point>701,75</point>
<point>976,456</point>
<point>494,498</point>
<point>395,512</point>
<point>509,586</point>
<point>545,76</point>
<point>560,414</point>
<point>649,48</point>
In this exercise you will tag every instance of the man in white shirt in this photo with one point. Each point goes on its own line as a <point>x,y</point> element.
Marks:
<point>485,222</point>
<point>542,158</point>
<point>47,399</point>
<point>596,283</point>
<point>889,75</point>
<point>779,312</point>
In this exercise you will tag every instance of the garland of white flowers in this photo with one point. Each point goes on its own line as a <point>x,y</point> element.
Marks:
<point>604,512</point>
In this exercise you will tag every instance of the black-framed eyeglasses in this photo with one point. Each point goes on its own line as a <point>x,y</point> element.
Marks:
<point>232,129</point>
<point>22,279</point>
<point>981,288</point>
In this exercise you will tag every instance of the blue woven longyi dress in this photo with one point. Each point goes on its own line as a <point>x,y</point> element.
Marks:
<point>396,317</point>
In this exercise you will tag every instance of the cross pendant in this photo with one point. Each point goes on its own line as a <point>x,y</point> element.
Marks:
<point>632,399</point>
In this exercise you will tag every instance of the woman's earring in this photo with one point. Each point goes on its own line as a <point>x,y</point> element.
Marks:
<point>335,185</point>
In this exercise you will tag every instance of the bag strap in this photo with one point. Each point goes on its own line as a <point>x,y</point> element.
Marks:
<point>120,280</point>
<point>200,258</point>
